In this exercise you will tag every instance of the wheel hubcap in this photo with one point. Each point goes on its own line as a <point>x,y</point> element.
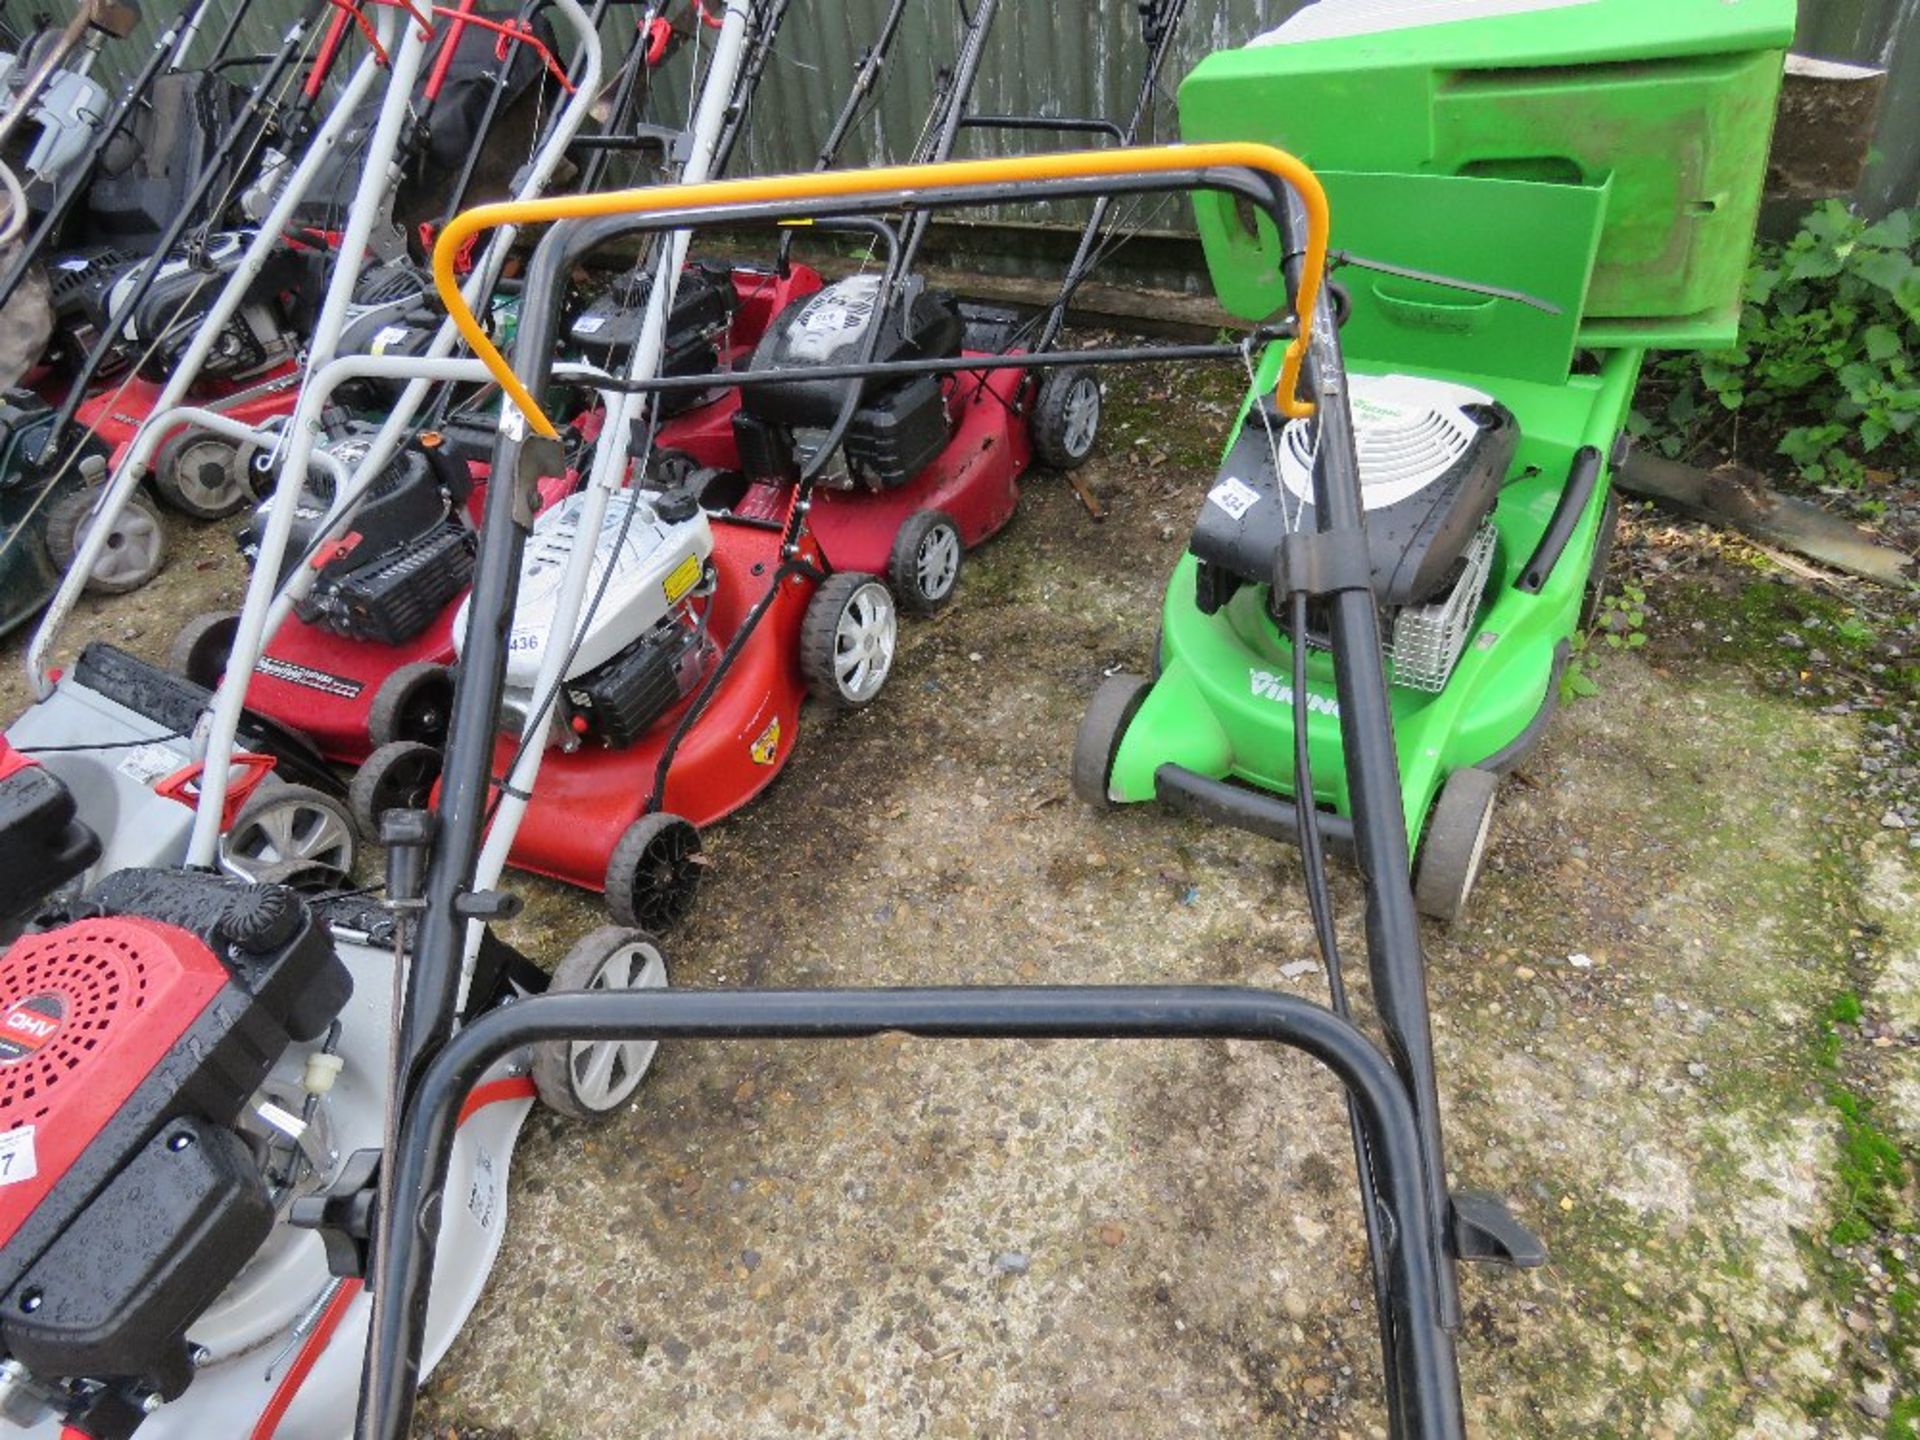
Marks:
<point>289,830</point>
<point>208,475</point>
<point>1083,415</point>
<point>133,548</point>
<point>863,643</point>
<point>937,562</point>
<point>604,1072</point>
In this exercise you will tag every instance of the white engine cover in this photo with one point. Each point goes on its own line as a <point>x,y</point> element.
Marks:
<point>1407,430</point>
<point>657,566</point>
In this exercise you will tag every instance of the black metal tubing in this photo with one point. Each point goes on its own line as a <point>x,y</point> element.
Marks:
<point>949,109</point>
<point>1188,792</point>
<point>78,182</point>
<point>1062,125</point>
<point>1395,959</point>
<point>1582,475</point>
<point>768,17</point>
<point>256,106</point>
<point>1422,1381</point>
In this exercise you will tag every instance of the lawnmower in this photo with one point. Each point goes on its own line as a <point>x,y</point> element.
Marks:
<point>1489,412</point>
<point>1417,1227</point>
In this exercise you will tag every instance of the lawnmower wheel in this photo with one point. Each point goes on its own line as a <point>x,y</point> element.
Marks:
<point>136,546</point>
<point>847,640</point>
<point>282,824</point>
<point>201,649</point>
<point>202,475</point>
<point>593,1079</point>
<point>924,569</point>
<point>1455,845</point>
<point>397,776</point>
<point>1102,728</point>
<point>1602,557</point>
<point>653,875</point>
<point>1066,417</point>
<point>413,703</point>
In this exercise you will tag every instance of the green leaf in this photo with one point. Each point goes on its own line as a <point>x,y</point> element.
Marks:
<point>1889,269</point>
<point>1636,640</point>
<point>1882,342</point>
<point>1872,432</point>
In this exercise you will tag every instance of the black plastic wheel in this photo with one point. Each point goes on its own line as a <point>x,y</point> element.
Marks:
<point>136,545</point>
<point>414,703</point>
<point>594,1079</point>
<point>201,649</point>
<point>653,875</point>
<point>1602,557</point>
<point>1456,843</point>
<point>924,569</point>
<point>1066,417</point>
<point>1102,728</point>
<point>202,475</point>
<point>847,640</point>
<point>399,775</point>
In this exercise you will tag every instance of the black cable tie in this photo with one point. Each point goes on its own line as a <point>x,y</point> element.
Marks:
<point>1322,562</point>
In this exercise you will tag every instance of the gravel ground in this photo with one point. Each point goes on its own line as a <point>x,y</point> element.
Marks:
<point>1695,933</point>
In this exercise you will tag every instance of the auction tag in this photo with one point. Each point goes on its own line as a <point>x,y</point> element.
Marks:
<point>17,1160</point>
<point>387,336</point>
<point>589,324</point>
<point>1234,496</point>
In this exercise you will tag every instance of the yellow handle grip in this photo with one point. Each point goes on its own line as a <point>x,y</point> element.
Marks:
<point>853,184</point>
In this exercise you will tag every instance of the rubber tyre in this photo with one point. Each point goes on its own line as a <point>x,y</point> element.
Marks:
<point>397,776</point>
<point>180,475</point>
<point>414,703</point>
<point>325,839</point>
<point>924,569</point>
<point>145,542</point>
<point>202,647</point>
<point>837,604</point>
<point>1602,556</point>
<point>557,1064</point>
<point>1102,728</point>
<point>1455,844</point>
<point>653,875</point>
<point>1063,433</point>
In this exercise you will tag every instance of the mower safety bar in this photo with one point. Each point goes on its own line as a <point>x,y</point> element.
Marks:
<point>1422,1371</point>
<point>1260,174</point>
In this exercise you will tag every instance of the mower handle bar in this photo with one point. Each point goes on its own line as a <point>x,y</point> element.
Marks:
<point>1422,1379</point>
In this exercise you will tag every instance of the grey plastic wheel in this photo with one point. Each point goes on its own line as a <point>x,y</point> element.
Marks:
<point>284,824</point>
<point>593,1079</point>
<point>201,648</point>
<point>202,475</point>
<point>653,875</point>
<point>1456,843</point>
<point>414,703</point>
<point>136,545</point>
<point>847,640</point>
<point>1066,417</point>
<point>397,776</point>
<point>924,569</point>
<point>1102,728</point>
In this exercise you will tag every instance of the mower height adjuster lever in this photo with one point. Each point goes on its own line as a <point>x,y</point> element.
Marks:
<point>343,1215</point>
<point>1322,562</point>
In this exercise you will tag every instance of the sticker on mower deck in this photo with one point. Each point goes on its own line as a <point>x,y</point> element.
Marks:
<point>682,578</point>
<point>387,335</point>
<point>1234,496</point>
<point>589,324</point>
<point>483,1192</point>
<point>1269,686</point>
<point>17,1160</point>
<point>28,1025</point>
<point>767,744</point>
<point>145,764</point>
<point>308,678</point>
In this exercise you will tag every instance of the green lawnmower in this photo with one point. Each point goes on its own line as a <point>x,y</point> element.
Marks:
<point>1532,194</point>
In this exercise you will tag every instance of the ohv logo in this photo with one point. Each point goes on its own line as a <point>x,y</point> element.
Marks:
<point>29,1024</point>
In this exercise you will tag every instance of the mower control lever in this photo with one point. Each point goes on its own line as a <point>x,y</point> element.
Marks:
<point>487,905</point>
<point>342,1215</point>
<point>1485,1230</point>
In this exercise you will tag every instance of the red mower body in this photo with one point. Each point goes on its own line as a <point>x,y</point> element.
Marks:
<point>117,412</point>
<point>584,801</point>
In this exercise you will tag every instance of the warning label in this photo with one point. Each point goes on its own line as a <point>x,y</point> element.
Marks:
<point>310,679</point>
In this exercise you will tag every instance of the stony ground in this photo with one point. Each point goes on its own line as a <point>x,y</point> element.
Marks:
<point>1680,1027</point>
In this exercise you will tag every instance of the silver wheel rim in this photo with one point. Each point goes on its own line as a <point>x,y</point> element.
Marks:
<point>132,551</point>
<point>285,830</point>
<point>1082,415</point>
<point>192,461</point>
<point>863,643</point>
<point>605,1072</point>
<point>937,562</point>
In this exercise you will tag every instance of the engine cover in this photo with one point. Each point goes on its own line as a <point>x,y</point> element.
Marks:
<point>703,305</point>
<point>619,701</point>
<point>656,565</point>
<point>1433,457</point>
<point>827,328</point>
<point>161,324</point>
<point>43,845</point>
<point>131,1040</point>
